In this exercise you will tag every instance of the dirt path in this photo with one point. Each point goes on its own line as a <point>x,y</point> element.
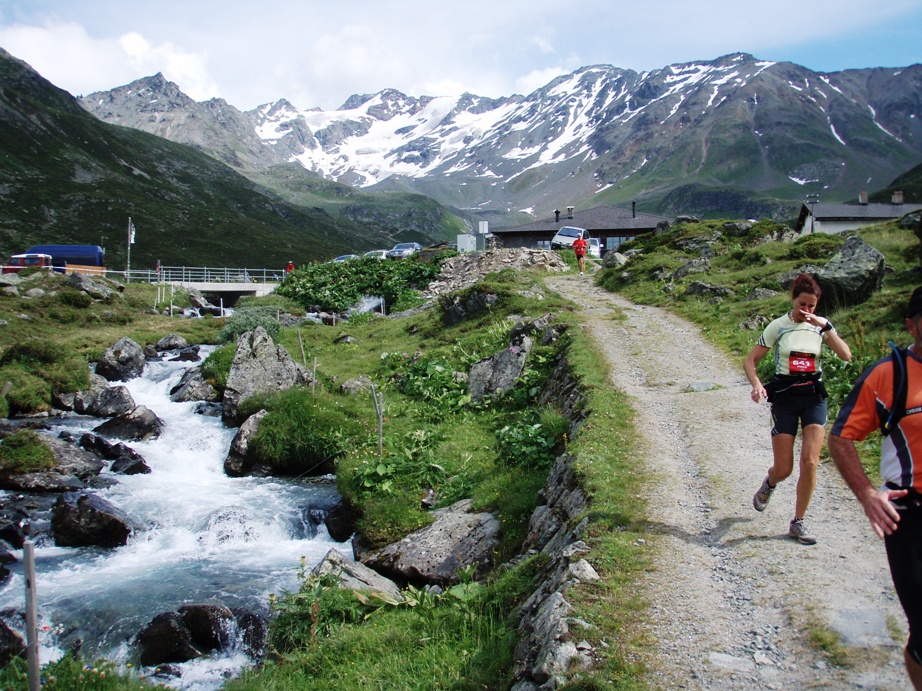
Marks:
<point>733,598</point>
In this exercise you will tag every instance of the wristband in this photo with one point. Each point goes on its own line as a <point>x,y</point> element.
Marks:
<point>828,327</point>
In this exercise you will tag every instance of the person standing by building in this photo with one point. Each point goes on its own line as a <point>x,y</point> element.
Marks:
<point>797,395</point>
<point>888,397</point>
<point>580,245</point>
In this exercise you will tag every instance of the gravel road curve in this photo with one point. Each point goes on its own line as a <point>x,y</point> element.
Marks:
<point>733,599</point>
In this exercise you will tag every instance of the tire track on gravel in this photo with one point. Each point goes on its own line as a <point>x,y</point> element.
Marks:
<point>732,598</point>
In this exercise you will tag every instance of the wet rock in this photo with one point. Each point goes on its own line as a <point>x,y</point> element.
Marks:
<point>83,520</point>
<point>239,459</point>
<point>171,342</point>
<point>340,522</point>
<point>140,424</point>
<point>253,632</point>
<point>121,362</point>
<point>166,638</point>
<point>12,644</point>
<point>210,626</point>
<point>193,387</point>
<point>127,460</point>
<point>102,400</point>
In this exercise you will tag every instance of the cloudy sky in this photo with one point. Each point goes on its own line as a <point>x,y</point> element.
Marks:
<point>317,53</point>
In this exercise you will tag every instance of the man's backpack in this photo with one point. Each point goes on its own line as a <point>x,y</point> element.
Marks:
<point>900,389</point>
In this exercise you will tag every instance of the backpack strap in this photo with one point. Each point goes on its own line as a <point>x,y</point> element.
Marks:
<point>900,388</point>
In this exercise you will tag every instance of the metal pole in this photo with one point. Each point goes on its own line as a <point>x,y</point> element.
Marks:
<point>128,259</point>
<point>28,555</point>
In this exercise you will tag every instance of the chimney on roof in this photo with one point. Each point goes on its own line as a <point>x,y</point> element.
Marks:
<point>569,212</point>
<point>633,209</point>
<point>556,215</point>
<point>862,197</point>
<point>897,197</point>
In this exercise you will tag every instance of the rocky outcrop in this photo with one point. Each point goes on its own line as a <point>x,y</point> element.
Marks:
<point>708,290</point>
<point>498,372</point>
<point>74,468</point>
<point>434,554</point>
<point>355,575</point>
<point>97,288</point>
<point>340,521</point>
<point>12,644</point>
<point>140,424</point>
<point>240,461</point>
<point>166,638</point>
<point>853,274</point>
<point>464,270</point>
<point>122,361</point>
<point>259,366</point>
<point>359,385</point>
<point>84,520</point>
<point>458,307</point>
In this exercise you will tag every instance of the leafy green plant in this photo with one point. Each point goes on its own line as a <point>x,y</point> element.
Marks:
<point>23,451</point>
<point>435,382</point>
<point>341,285</point>
<point>410,467</point>
<point>217,365</point>
<point>248,319</point>
<point>71,674</point>
<point>526,443</point>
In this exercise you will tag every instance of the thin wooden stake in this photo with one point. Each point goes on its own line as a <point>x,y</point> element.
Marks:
<point>28,555</point>
<point>378,399</point>
<point>314,379</point>
<point>301,343</point>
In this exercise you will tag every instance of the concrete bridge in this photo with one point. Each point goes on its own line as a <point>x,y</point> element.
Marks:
<point>221,283</point>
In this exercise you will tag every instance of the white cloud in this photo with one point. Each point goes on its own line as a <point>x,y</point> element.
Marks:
<point>538,78</point>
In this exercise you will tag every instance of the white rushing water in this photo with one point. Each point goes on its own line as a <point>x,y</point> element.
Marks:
<point>204,537</point>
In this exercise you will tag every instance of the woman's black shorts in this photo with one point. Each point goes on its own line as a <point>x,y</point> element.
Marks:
<point>788,411</point>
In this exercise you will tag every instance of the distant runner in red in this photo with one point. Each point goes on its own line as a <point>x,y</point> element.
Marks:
<point>290,267</point>
<point>579,249</point>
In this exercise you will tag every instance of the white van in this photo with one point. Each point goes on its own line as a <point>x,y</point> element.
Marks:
<point>566,235</point>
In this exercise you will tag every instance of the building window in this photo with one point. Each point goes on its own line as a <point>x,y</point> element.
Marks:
<point>613,241</point>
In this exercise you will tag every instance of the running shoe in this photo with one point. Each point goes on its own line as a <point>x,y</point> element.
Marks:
<point>799,532</point>
<point>760,498</point>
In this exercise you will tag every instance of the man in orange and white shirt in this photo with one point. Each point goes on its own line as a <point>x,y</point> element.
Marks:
<point>895,510</point>
<point>579,249</point>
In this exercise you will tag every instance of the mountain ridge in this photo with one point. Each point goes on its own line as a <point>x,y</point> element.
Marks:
<point>754,135</point>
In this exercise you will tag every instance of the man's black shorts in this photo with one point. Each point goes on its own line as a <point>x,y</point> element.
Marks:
<point>904,552</point>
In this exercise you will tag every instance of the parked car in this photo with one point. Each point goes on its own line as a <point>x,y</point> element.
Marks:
<point>18,262</point>
<point>566,235</point>
<point>404,249</point>
<point>346,258</point>
<point>595,248</point>
<point>375,254</point>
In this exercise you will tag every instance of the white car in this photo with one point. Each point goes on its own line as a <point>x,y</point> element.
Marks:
<point>375,254</point>
<point>595,248</point>
<point>404,249</point>
<point>566,236</point>
<point>346,258</point>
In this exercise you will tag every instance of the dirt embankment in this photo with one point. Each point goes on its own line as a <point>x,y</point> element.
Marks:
<point>733,599</point>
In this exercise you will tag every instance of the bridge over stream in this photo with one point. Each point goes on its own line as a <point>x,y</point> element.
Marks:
<point>221,283</point>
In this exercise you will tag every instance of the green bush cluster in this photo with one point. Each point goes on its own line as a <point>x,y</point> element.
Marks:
<point>217,365</point>
<point>532,440</point>
<point>36,368</point>
<point>23,451</point>
<point>339,286</point>
<point>248,319</point>
<point>303,433</point>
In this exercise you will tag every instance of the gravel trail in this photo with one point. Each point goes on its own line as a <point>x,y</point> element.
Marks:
<point>733,599</point>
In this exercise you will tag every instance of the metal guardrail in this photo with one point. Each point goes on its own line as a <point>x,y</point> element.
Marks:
<point>205,274</point>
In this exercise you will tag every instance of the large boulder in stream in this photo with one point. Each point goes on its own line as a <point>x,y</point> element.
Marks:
<point>84,520</point>
<point>102,400</point>
<point>457,539</point>
<point>240,460</point>
<point>166,638</point>
<point>122,361</point>
<point>259,366</point>
<point>127,461</point>
<point>193,387</point>
<point>354,575</point>
<point>140,424</point>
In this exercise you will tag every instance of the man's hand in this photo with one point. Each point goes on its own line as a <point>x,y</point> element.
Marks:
<point>882,514</point>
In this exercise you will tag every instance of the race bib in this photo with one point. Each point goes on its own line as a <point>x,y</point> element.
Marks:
<point>799,363</point>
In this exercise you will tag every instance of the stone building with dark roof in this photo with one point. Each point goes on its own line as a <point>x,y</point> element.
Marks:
<point>838,218</point>
<point>609,224</point>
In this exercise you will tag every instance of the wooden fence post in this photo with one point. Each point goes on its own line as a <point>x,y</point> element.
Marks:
<point>28,555</point>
